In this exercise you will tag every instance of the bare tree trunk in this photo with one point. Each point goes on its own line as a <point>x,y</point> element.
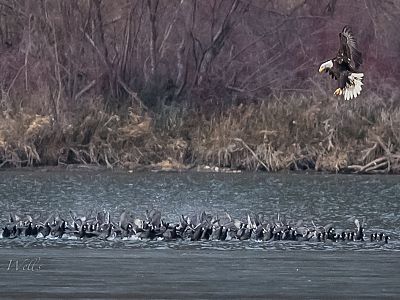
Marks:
<point>57,72</point>
<point>216,45</point>
<point>152,6</point>
<point>182,65</point>
<point>99,37</point>
<point>167,33</point>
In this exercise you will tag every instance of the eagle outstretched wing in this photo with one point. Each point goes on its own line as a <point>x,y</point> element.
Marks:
<point>348,49</point>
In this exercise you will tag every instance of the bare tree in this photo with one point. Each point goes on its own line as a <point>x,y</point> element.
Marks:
<point>144,50</point>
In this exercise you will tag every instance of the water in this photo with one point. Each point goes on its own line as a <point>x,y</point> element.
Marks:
<point>234,269</point>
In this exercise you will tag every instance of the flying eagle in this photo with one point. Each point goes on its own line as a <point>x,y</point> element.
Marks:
<point>345,65</point>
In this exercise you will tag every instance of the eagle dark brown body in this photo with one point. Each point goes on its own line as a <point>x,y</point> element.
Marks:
<point>344,67</point>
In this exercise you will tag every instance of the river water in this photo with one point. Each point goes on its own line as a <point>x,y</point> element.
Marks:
<point>91,268</point>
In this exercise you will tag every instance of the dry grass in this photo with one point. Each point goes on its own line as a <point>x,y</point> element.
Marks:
<point>299,132</point>
<point>126,84</point>
<point>294,132</point>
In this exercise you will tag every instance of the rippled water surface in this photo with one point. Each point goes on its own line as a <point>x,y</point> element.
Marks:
<point>243,269</point>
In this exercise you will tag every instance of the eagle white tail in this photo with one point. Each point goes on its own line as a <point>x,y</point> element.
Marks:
<point>353,89</point>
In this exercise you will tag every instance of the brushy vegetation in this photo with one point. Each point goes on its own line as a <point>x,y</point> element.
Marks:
<point>291,132</point>
<point>177,84</point>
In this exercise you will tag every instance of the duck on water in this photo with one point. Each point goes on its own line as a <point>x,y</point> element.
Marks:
<point>201,226</point>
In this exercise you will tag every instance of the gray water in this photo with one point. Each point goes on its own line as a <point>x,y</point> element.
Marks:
<point>91,268</point>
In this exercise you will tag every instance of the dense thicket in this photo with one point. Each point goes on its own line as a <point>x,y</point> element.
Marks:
<point>230,83</point>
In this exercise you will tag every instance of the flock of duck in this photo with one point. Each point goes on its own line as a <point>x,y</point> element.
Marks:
<point>201,226</point>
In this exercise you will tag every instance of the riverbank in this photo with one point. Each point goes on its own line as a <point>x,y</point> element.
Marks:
<point>188,84</point>
<point>293,133</point>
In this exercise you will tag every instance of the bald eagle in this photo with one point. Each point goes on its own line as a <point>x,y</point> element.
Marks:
<point>344,67</point>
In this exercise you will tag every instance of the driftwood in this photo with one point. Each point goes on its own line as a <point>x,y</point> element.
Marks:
<point>380,165</point>
<point>13,162</point>
<point>371,166</point>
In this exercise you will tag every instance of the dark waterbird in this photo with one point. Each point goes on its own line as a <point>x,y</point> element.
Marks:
<point>45,230</point>
<point>170,233</point>
<point>199,227</point>
<point>216,233</point>
<point>28,230</point>
<point>6,232</point>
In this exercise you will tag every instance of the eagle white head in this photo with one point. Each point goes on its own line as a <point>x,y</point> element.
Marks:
<point>326,65</point>
<point>353,85</point>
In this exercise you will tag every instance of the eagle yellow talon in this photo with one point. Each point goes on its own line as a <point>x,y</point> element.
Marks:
<point>338,92</point>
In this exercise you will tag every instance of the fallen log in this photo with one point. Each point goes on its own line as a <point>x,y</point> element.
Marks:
<point>374,163</point>
<point>378,167</point>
